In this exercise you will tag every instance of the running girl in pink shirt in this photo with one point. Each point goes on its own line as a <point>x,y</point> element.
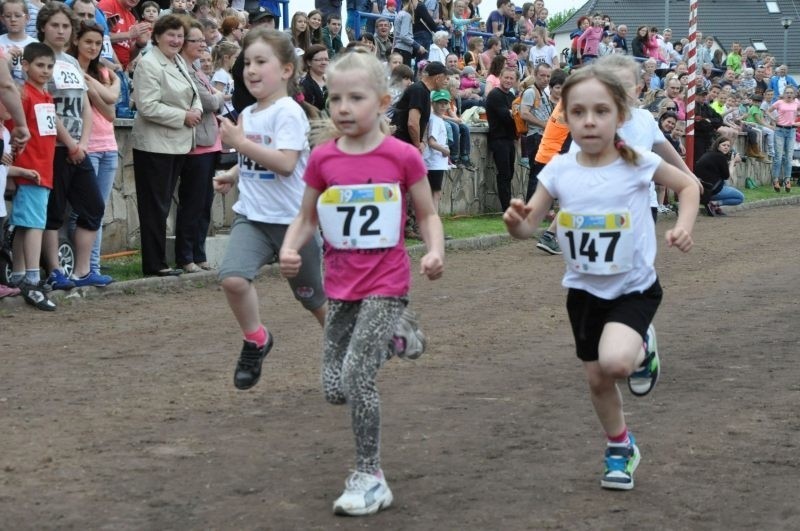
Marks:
<point>356,190</point>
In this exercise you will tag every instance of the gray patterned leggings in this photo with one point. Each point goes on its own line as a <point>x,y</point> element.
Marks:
<point>356,339</point>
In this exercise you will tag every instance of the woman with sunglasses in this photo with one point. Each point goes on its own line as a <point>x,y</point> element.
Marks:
<point>195,189</point>
<point>104,89</point>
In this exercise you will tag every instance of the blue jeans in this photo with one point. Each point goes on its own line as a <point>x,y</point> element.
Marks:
<point>105,168</point>
<point>729,196</point>
<point>784,151</point>
<point>459,147</point>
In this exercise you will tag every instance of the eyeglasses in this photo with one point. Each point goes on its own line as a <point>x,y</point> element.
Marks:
<point>670,108</point>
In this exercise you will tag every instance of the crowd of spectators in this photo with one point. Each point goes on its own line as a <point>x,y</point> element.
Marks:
<point>176,68</point>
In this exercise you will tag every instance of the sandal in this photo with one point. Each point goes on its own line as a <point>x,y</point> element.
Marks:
<point>788,187</point>
<point>191,268</point>
<point>776,186</point>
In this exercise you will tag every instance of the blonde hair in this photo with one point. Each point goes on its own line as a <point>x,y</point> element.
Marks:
<point>616,62</point>
<point>354,60</point>
<point>222,50</point>
<point>618,95</point>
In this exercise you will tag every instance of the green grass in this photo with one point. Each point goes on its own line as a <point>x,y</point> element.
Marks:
<point>123,268</point>
<point>130,267</point>
<point>469,226</point>
<point>760,193</point>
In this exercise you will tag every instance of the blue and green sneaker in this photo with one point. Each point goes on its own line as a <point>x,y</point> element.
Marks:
<point>645,378</point>
<point>621,462</point>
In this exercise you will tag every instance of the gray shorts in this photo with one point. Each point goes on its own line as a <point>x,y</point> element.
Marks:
<point>253,244</point>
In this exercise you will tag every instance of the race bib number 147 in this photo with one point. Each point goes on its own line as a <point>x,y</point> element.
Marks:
<point>597,244</point>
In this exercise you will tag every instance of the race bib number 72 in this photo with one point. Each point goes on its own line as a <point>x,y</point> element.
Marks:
<point>361,216</point>
<point>597,244</point>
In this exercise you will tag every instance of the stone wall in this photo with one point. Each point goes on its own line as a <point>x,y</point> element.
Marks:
<point>466,192</point>
<point>463,192</point>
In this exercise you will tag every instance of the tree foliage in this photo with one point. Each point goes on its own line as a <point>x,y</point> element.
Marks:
<point>557,20</point>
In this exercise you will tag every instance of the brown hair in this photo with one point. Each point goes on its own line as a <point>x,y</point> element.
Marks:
<point>283,49</point>
<point>618,94</point>
<point>48,11</point>
<point>167,22</point>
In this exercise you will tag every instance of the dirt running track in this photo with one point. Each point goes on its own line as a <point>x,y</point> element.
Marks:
<point>120,413</point>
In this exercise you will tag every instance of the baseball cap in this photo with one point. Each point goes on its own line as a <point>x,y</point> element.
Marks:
<point>259,14</point>
<point>435,68</point>
<point>440,95</point>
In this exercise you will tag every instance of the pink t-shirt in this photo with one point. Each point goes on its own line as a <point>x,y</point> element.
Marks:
<point>786,112</point>
<point>352,274</point>
<point>589,40</point>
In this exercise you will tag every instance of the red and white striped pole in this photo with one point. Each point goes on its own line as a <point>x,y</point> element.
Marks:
<point>692,64</point>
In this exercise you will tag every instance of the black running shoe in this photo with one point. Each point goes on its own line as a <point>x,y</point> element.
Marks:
<point>248,368</point>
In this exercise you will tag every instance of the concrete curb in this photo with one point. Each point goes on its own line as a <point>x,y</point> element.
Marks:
<point>204,278</point>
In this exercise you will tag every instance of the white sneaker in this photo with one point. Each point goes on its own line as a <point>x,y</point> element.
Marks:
<point>363,494</point>
<point>407,329</point>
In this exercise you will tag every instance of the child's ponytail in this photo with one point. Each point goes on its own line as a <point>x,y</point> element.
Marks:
<point>627,153</point>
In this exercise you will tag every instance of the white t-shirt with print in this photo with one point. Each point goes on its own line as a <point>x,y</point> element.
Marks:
<point>618,189</point>
<point>265,195</point>
<point>16,64</point>
<point>545,54</point>
<point>68,88</point>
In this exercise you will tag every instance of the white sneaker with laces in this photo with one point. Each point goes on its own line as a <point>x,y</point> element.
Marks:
<point>363,494</point>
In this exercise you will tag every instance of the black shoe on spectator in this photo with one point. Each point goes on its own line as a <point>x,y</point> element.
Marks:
<point>34,296</point>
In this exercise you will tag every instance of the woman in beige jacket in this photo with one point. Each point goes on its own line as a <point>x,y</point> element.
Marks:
<point>168,110</point>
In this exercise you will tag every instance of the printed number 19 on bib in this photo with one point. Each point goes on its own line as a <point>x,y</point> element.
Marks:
<point>361,216</point>
<point>597,244</point>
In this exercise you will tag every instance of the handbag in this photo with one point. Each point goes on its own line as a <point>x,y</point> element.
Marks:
<point>227,158</point>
